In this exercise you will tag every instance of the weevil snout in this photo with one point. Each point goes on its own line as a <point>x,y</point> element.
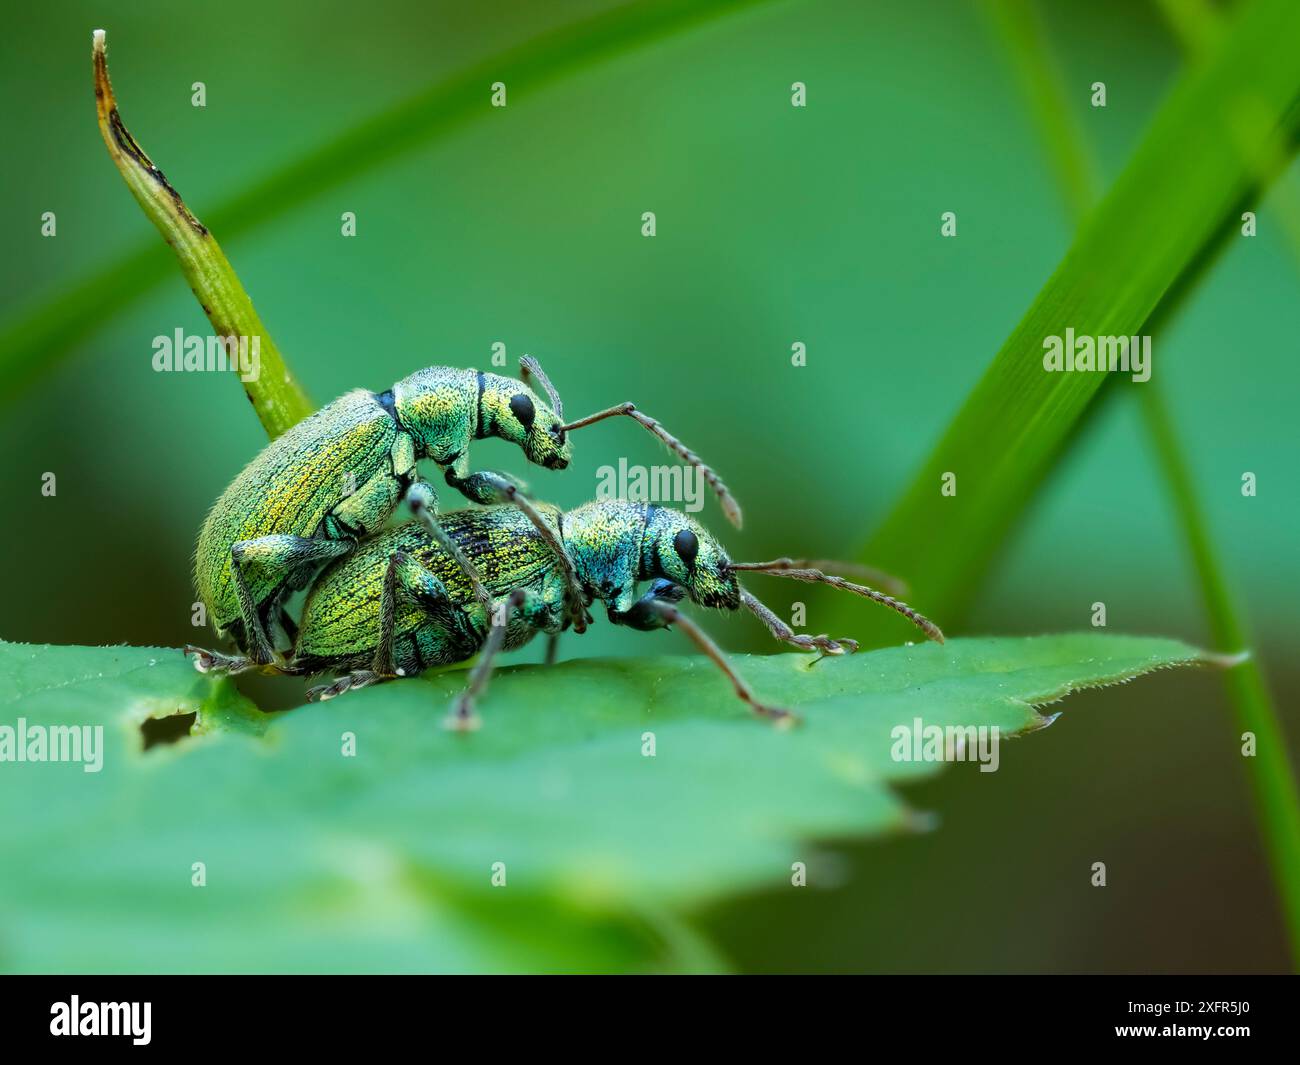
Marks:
<point>720,591</point>
<point>546,443</point>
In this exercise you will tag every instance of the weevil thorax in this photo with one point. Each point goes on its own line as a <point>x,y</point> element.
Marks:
<point>603,539</point>
<point>444,408</point>
<point>615,545</point>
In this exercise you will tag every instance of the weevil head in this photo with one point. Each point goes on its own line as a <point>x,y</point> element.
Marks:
<point>683,551</point>
<point>509,409</point>
<point>443,408</point>
<point>534,426</point>
<point>617,545</point>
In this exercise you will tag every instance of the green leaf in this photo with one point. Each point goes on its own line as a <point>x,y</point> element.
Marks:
<point>1226,127</point>
<point>383,860</point>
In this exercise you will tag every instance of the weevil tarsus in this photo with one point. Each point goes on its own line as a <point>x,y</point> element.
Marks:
<point>206,661</point>
<point>357,679</point>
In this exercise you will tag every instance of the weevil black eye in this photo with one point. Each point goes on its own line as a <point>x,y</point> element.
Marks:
<point>522,408</point>
<point>687,546</point>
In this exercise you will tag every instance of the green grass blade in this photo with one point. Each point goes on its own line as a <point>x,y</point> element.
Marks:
<point>1198,27</point>
<point>1272,780</point>
<point>1021,27</point>
<point>1220,130</point>
<point>1270,773</point>
<point>33,339</point>
<point>1272,777</point>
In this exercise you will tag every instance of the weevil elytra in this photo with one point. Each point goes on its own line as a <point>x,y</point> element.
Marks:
<point>401,603</point>
<point>335,479</point>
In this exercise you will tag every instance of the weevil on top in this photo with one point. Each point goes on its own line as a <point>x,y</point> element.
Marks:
<point>335,479</point>
<point>402,602</point>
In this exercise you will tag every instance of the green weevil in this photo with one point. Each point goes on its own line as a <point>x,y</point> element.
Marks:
<point>401,603</point>
<point>333,480</point>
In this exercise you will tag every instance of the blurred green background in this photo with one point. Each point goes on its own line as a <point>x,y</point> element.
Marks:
<point>775,224</point>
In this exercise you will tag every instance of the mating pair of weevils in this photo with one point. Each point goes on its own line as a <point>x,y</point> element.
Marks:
<point>442,588</point>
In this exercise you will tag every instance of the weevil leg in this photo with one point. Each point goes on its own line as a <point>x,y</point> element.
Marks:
<point>552,648</point>
<point>669,615</point>
<point>360,678</point>
<point>783,632</point>
<point>540,612</point>
<point>487,487</point>
<point>644,615</point>
<point>274,558</point>
<point>206,661</point>
<point>422,499</point>
<point>288,626</point>
<point>463,718</point>
<point>407,578</point>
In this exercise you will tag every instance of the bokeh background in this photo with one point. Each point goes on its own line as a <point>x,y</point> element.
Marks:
<point>774,225</point>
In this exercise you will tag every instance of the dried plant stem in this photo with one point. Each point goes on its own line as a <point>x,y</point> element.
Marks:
<point>275,393</point>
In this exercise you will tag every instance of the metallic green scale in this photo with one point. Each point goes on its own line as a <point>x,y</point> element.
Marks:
<point>341,620</point>
<point>296,487</point>
<point>614,546</point>
<point>336,478</point>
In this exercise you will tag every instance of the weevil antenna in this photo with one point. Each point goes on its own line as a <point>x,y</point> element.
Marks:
<point>530,368</point>
<point>816,576</point>
<point>893,585</point>
<point>729,505</point>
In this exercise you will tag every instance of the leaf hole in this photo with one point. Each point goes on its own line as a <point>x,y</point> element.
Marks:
<point>173,728</point>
